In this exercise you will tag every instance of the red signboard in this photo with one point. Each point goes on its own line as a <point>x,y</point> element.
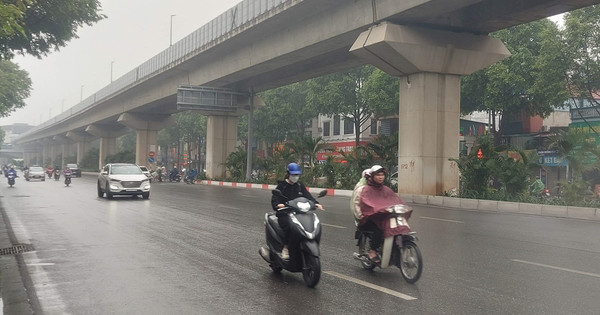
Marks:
<point>344,146</point>
<point>151,154</point>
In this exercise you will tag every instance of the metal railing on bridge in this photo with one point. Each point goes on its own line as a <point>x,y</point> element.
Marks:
<point>233,21</point>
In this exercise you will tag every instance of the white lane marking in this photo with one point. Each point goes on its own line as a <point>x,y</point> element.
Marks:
<point>335,226</point>
<point>42,264</point>
<point>453,221</point>
<point>372,286</point>
<point>558,268</point>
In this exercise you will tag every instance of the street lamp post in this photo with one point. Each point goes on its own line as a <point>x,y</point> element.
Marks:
<point>81,97</point>
<point>171,31</point>
<point>111,71</point>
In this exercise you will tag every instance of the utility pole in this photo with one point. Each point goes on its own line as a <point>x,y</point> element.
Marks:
<point>249,149</point>
<point>171,31</point>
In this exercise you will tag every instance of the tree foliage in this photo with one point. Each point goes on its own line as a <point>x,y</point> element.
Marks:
<point>37,27</point>
<point>532,79</point>
<point>15,86</point>
<point>357,94</point>
<point>286,114</point>
<point>582,35</point>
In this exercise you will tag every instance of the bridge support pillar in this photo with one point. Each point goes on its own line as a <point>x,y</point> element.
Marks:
<point>430,64</point>
<point>82,139</point>
<point>146,127</point>
<point>108,139</point>
<point>221,139</point>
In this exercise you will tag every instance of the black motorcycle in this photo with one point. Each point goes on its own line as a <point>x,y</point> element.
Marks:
<point>11,178</point>
<point>57,174</point>
<point>304,238</point>
<point>175,178</point>
<point>67,179</point>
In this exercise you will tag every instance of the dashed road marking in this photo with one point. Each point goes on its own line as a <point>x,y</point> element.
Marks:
<point>371,286</point>
<point>335,226</point>
<point>558,268</point>
<point>445,220</point>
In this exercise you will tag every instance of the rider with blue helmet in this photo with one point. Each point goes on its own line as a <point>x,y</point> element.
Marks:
<point>291,188</point>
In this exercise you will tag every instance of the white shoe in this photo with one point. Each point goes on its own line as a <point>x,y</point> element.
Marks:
<point>285,254</point>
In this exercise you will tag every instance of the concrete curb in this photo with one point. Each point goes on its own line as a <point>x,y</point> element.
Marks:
<point>454,203</point>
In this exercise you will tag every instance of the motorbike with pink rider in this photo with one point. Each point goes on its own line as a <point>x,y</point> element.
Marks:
<point>383,235</point>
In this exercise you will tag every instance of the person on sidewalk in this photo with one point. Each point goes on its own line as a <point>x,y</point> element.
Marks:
<point>291,188</point>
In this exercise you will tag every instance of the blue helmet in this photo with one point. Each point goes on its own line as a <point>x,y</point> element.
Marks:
<point>294,169</point>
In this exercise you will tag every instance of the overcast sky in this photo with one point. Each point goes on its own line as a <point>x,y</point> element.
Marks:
<point>133,32</point>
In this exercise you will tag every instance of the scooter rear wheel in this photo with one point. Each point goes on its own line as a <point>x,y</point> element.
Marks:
<point>312,270</point>
<point>411,262</point>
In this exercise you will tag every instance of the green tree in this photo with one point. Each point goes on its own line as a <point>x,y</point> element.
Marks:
<point>357,94</point>
<point>306,147</point>
<point>386,148</point>
<point>15,87</point>
<point>582,38</point>
<point>286,114</point>
<point>532,79</point>
<point>2,135</point>
<point>12,16</point>
<point>37,27</point>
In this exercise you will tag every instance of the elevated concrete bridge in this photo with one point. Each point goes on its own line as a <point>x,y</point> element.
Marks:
<point>262,44</point>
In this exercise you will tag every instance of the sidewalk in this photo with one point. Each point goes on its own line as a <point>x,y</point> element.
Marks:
<point>455,203</point>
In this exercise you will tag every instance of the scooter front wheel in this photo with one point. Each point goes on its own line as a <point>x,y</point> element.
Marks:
<point>411,262</point>
<point>312,270</point>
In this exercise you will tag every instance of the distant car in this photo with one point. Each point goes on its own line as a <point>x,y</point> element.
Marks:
<point>35,172</point>
<point>123,179</point>
<point>75,169</point>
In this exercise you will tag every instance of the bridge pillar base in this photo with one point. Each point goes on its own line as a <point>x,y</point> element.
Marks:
<point>430,64</point>
<point>221,139</point>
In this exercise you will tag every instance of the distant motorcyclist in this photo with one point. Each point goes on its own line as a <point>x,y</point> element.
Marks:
<point>12,172</point>
<point>173,174</point>
<point>49,171</point>
<point>67,171</point>
<point>191,176</point>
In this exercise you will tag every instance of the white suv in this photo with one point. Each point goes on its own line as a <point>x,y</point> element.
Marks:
<point>123,179</point>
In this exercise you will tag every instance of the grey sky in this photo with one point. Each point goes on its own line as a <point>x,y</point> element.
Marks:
<point>134,31</point>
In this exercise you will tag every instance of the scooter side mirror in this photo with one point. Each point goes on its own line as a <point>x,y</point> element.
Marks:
<point>322,193</point>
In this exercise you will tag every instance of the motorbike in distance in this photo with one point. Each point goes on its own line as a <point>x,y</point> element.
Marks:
<point>56,174</point>
<point>11,178</point>
<point>67,179</point>
<point>398,250</point>
<point>303,241</point>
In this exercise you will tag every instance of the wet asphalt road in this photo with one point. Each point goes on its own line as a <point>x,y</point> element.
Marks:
<point>192,249</point>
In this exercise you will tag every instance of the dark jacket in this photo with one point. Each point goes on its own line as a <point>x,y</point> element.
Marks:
<point>291,191</point>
